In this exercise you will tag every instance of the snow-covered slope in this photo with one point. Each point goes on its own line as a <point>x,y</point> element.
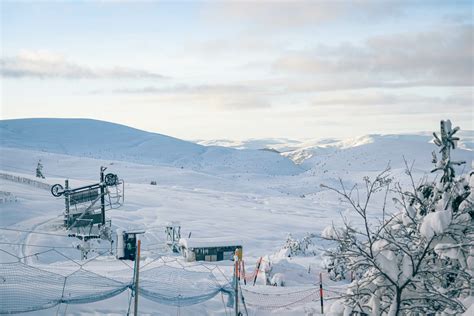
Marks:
<point>220,192</point>
<point>98,139</point>
<point>279,144</point>
<point>358,153</point>
<point>374,152</point>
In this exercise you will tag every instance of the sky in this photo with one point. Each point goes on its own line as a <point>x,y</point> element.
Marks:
<point>240,70</point>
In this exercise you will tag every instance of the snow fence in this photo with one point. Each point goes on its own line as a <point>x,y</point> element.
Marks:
<point>30,182</point>
<point>24,288</point>
<point>270,298</point>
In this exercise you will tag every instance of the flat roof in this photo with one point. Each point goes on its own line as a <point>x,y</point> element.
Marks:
<point>208,242</point>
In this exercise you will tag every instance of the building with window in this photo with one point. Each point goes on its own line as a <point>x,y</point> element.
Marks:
<point>208,249</point>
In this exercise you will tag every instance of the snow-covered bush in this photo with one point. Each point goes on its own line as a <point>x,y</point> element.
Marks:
<point>336,267</point>
<point>420,260</point>
<point>298,247</point>
<point>278,279</point>
<point>334,258</point>
<point>7,197</point>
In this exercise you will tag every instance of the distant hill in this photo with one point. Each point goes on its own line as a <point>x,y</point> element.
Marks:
<point>279,144</point>
<point>99,139</point>
<point>373,152</point>
<point>368,152</point>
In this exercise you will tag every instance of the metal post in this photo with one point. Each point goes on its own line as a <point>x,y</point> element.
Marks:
<point>66,201</point>
<point>321,292</point>
<point>236,285</point>
<point>102,194</point>
<point>256,272</point>
<point>137,264</point>
<point>243,272</point>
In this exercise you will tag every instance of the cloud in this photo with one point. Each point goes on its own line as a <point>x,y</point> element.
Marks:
<point>216,96</point>
<point>41,64</point>
<point>400,103</point>
<point>290,14</point>
<point>190,89</point>
<point>430,58</point>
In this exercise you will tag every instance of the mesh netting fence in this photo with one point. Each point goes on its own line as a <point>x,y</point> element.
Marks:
<point>269,298</point>
<point>178,287</point>
<point>86,287</point>
<point>25,288</point>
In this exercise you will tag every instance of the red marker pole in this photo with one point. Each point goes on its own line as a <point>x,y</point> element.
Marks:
<point>321,292</point>
<point>258,268</point>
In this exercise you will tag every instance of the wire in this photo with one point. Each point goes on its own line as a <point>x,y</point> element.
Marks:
<point>132,268</point>
<point>130,302</point>
<point>30,245</point>
<point>42,246</point>
<point>9,253</point>
<point>223,302</point>
<point>36,254</point>
<point>32,232</point>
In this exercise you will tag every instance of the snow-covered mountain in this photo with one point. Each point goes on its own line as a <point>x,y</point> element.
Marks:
<point>257,196</point>
<point>104,140</point>
<point>99,139</point>
<point>278,144</point>
<point>368,152</point>
<point>375,151</point>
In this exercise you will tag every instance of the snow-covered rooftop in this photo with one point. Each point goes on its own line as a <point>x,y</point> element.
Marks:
<point>208,242</point>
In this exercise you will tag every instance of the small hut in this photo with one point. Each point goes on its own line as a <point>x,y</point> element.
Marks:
<point>208,249</point>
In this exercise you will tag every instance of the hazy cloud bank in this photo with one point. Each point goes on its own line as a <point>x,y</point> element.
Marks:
<point>432,58</point>
<point>40,64</point>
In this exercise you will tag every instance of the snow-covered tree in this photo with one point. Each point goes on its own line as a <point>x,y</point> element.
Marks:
<point>39,169</point>
<point>298,247</point>
<point>420,260</point>
<point>334,258</point>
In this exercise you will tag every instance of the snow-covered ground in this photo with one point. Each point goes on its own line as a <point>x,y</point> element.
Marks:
<point>252,195</point>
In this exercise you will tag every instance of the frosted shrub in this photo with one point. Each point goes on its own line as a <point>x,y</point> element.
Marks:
<point>298,247</point>
<point>420,260</point>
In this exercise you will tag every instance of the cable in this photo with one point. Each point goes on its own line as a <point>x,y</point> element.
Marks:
<point>131,268</point>
<point>9,253</point>
<point>36,254</point>
<point>130,302</point>
<point>154,260</point>
<point>32,232</point>
<point>42,246</point>
<point>30,245</point>
<point>223,302</point>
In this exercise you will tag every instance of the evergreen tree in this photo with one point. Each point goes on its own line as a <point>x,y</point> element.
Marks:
<point>39,169</point>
